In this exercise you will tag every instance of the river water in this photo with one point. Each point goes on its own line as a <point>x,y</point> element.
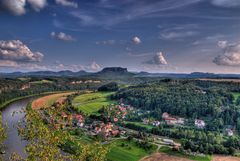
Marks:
<point>14,143</point>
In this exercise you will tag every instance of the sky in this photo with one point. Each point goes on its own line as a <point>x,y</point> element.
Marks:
<point>163,36</point>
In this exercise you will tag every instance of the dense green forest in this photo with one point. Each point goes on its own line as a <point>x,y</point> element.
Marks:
<point>187,99</point>
<point>211,101</point>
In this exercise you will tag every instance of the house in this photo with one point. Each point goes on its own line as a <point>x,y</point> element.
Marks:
<point>229,132</point>
<point>26,86</point>
<point>199,123</point>
<point>168,141</point>
<point>64,115</point>
<point>165,115</point>
<point>145,121</point>
<point>171,120</point>
<point>176,146</point>
<point>156,123</point>
<point>180,120</point>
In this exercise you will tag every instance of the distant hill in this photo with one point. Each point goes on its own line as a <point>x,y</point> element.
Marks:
<point>66,73</point>
<point>114,72</point>
<point>118,73</point>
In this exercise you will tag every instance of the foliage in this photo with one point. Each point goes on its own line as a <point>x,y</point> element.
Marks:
<point>44,141</point>
<point>2,133</point>
<point>112,86</point>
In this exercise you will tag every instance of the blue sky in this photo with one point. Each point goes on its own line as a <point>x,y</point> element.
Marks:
<point>143,35</point>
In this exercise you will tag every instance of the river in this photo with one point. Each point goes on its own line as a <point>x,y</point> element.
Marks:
<point>14,143</point>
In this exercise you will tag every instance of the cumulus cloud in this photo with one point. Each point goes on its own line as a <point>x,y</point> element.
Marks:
<point>37,5</point>
<point>15,50</point>
<point>230,56</point>
<point>157,59</point>
<point>94,66</point>
<point>62,36</point>
<point>75,67</point>
<point>18,7</point>
<point>67,3</point>
<point>226,3</point>
<point>136,40</point>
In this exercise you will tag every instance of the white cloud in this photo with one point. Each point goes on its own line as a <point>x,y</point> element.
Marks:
<point>230,56</point>
<point>8,63</point>
<point>15,50</point>
<point>226,3</point>
<point>18,7</point>
<point>222,44</point>
<point>62,36</point>
<point>75,67</point>
<point>136,40</point>
<point>67,3</point>
<point>177,35</point>
<point>37,5</point>
<point>94,66</point>
<point>157,59</point>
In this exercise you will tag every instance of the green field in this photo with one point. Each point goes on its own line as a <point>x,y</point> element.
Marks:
<point>236,95</point>
<point>148,127</point>
<point>128,152</point>
<point>167,150</point>
<point>41,82</point>
<point>90,103</point>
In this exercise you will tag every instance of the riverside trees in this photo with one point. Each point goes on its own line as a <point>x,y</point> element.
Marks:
<point>2,134</point>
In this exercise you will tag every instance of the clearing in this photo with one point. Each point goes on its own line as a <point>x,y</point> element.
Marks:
<point>170,152</point>
<point>91,103</point>
<point>163,157</point>
<point>124,150</point>
<point>225,158</point>
<point>49,100</point>
<point>44,81</point>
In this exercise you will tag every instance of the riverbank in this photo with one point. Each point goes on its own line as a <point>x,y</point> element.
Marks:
<point>3,105</point>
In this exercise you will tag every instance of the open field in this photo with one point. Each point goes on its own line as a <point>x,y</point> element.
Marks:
<point>120,149</point>
<point>41,82</point>
<point>169,151</point>
<point>90,103</point>
<point>149,127</point>
<point>126,151</point>
<point>225,158</point>
<point>163,157</point>
<point>49,100</point>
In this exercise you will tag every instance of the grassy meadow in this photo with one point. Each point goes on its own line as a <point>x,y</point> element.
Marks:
<point>124,150</point>
<point>91,102</point>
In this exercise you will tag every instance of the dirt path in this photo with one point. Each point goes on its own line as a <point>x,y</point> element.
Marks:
<point>163,157</point>
<point>225,158</point>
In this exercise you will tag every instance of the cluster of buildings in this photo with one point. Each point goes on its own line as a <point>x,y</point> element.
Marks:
<point>171,120</point>
<point>25,86</point>
<point>68,120</point>
<point>117,112</point>
<point>86,81</point>
<point>199,123</point>
<point>105,130</point>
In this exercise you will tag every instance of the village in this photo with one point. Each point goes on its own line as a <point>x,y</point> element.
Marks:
<point>108,125</point>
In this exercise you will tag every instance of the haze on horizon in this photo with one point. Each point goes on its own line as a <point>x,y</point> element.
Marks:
<point>178,36</point>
